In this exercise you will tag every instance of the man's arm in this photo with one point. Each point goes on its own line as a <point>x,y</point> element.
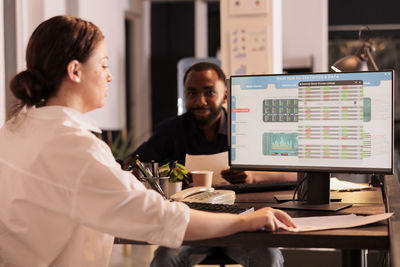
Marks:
<point>252,177</point>
<point>259,177</point>
<point>144,153</point>
<point>156,148</point>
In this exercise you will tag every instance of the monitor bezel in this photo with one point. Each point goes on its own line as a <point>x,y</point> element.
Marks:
<point>330,169</point>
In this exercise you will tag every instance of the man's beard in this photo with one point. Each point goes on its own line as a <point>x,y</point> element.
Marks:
<point>214,113</point>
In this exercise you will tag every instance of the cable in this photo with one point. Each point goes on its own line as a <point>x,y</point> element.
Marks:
<point>298,187</point>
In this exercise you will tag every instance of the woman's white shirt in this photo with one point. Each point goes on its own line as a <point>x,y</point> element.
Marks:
<point>63,196</point>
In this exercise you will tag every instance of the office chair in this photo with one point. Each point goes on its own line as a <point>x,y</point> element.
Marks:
<point>217,258</point>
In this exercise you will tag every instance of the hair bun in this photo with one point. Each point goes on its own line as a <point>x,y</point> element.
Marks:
<point>29,86</point>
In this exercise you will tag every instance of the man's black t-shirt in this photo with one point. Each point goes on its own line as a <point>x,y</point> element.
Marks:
<point>178,136</point>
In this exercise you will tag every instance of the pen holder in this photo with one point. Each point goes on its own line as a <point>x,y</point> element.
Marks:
<point>149,182</point>
<point>157,184</point>
<point>163,181</point>
<point>168,188</point>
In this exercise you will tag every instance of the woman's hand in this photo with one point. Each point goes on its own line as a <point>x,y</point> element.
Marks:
<point>203,225</point>
<point>268,219</point>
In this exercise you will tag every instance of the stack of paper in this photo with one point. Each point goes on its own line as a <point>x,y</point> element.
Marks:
<point>338,185</point>
<point>333,222</point>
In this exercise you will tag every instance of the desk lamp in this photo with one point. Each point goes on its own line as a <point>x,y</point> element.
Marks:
<point>357,62</point>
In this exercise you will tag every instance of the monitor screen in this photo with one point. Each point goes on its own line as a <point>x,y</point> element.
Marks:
<point>321,122</point>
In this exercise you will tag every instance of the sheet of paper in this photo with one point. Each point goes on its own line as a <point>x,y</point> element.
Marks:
<point>213,162</point>
<point>316,223</point>
<point>339,185</point>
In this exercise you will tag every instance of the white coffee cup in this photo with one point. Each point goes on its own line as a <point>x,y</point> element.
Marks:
<point>202,178</point>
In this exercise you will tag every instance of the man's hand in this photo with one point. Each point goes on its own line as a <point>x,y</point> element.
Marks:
<point>237,176</point>
<point>129,161</point>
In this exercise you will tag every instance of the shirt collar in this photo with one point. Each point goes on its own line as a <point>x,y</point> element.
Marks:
<point>70,117</point>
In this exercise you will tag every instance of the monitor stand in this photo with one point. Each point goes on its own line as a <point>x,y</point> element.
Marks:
<point>316,193</point>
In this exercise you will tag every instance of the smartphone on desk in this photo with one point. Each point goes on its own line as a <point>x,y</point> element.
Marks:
<point>205,195</point>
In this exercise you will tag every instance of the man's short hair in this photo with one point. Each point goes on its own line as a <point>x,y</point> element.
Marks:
<point>206,66</point>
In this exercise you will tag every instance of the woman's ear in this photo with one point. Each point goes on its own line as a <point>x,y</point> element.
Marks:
<point>74,71</point>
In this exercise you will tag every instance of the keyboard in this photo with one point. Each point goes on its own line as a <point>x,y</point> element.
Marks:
<point>224,208</point>
<point>262,187</point>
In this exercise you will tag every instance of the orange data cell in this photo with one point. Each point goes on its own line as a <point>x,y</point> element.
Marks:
<point>241,110</point>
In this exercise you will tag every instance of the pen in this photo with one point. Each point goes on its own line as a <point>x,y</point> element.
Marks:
<point>149,172</point>
<point>153,169</point>
<point>142,168</point>
<point>144,174</point>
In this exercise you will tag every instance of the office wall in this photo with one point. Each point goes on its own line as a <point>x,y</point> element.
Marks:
<point>31,12</point>
<point>251,36</point>
<point>305,34</point>
<point>110,17</point>
<point>139,102</point>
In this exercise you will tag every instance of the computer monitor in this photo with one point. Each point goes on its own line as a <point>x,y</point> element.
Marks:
<point>315,123</point>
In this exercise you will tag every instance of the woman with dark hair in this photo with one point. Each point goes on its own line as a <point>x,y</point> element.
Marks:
<point>63,195</point>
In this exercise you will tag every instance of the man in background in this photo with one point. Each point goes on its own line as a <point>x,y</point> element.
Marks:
<point>202,130</point>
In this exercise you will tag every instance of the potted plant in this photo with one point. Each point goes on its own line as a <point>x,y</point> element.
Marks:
<point>176,174</point>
